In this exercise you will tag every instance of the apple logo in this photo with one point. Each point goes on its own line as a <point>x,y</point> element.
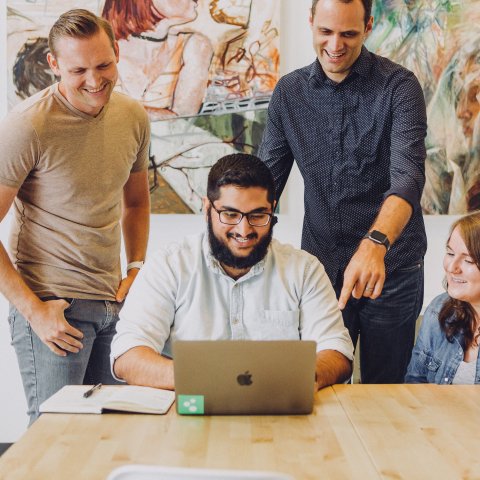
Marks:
<point>245,379</point>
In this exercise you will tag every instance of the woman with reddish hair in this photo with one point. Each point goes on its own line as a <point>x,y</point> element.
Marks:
<point>446,350</point>
<point>163,62</point>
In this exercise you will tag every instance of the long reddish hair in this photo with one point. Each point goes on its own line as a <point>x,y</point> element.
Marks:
<point>456,315</point>
<point>129,17</point>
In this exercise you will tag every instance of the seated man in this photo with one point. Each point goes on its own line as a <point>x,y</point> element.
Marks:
<point>232,282</point>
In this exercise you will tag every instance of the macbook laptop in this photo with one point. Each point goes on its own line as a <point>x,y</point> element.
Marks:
<point>225,377</point>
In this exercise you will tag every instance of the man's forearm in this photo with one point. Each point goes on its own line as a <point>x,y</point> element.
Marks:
<point>144,366</point>
<point>135,228</point>
<point>14,288</point>
<point>393,217</point>
<point>332,367</point>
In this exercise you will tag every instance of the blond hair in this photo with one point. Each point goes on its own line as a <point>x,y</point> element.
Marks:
<point>78,23</point>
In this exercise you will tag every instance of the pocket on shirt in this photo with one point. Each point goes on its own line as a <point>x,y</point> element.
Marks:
<point>430,365</point>
<point>277,325</point>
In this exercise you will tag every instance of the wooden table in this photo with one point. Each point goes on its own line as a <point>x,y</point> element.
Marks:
<point>417,431</point>
<point>356,431</point>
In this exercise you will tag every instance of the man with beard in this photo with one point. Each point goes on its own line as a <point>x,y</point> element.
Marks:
<point>233,282</point>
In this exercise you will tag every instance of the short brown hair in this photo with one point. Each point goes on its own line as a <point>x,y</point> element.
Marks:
<point>129,17</point>
<point>78,23</point>
<point>367,5</point>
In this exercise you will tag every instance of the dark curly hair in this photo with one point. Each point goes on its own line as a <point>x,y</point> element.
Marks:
<point>242,170</point>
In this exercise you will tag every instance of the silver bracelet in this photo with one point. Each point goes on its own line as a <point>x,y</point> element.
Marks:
<point>138,265</point>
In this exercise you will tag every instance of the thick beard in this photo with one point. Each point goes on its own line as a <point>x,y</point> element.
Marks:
<point>223,254</point>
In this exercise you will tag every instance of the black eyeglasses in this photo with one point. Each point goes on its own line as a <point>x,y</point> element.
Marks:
<point>232,217</point>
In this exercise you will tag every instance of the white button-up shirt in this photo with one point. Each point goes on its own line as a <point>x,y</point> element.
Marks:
<point>182,292</point>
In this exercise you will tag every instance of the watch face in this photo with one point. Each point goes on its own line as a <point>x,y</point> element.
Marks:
<point>378,236</point>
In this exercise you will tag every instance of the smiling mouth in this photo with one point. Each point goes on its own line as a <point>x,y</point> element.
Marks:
<point>457,280</point>
<point>334,56</point>
<point>240,239</point>
<point>96,90</point>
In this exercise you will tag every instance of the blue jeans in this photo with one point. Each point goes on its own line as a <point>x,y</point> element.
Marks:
<point>44,373</point>
<point>386,326</point>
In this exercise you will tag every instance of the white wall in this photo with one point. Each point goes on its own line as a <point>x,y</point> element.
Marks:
<point>296,51</point>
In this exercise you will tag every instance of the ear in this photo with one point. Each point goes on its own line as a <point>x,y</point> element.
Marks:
<point>205,207</point>
<point>116,49</point>
<point>310,19</point>
<point>369,26</point>
<point>52,62</point>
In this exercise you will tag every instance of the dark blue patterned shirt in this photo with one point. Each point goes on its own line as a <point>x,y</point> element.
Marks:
<point>355,143</point>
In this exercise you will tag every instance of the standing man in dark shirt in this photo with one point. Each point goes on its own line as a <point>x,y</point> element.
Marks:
<point>355,123</point>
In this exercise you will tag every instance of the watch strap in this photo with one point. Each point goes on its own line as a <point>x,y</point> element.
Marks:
<point>138,264</point>
<point>378,237</point>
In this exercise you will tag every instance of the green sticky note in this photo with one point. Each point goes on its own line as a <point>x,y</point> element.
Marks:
<point>190,404</point>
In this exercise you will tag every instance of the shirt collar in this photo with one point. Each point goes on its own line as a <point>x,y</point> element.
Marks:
<point>361,66</point>
<point>214,265</point>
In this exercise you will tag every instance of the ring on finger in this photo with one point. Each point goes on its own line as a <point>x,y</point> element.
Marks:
<point>369,289</point>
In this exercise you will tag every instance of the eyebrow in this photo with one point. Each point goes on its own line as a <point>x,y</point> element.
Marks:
<point>464,254</point>
<point>255,210</point>
<point>78,67</point>
<point>321,27</point>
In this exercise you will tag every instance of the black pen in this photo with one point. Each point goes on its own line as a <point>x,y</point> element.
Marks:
<point>89,392</point>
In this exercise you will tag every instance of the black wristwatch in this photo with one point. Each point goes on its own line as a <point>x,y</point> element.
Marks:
<point>378,237</point>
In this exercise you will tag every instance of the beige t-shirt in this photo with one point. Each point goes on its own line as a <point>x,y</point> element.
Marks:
<point>70,169</point>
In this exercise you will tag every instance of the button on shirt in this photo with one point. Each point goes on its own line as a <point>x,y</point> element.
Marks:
<point>183,293</point>
<point>355,143</point>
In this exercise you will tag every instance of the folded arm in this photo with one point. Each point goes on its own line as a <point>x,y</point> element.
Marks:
<point>332,367</point>
<point>143,366</point>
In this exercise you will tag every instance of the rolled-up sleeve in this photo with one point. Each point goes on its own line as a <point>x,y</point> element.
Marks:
<point>407,151</point>
<point>320,318</point>
<point>149,310</point>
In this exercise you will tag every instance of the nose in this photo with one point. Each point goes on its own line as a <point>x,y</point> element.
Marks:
<point>335,43</point>
<point>92,79</point>
<point>453,266</point>
<point>244,228</point>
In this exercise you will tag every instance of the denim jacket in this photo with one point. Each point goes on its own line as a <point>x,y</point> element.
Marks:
<point>434,358</point>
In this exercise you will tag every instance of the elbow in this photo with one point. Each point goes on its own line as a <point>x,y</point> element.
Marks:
<point>119,367</point>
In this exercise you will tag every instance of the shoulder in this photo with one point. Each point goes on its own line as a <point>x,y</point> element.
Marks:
<point>286,92</point>
<point>389,70</point>
<point>122,100</point>
<point>38,103</point>
<point>32,112</point>
<point>22,124</point>
<point>430,317</point>
<point>130,113</point>
<point>290,80</point>
<point>437,303</point>
<point>182,252</point>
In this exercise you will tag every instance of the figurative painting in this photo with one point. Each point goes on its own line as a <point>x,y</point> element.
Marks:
<point>203,69</point>
<point>439,40</point>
